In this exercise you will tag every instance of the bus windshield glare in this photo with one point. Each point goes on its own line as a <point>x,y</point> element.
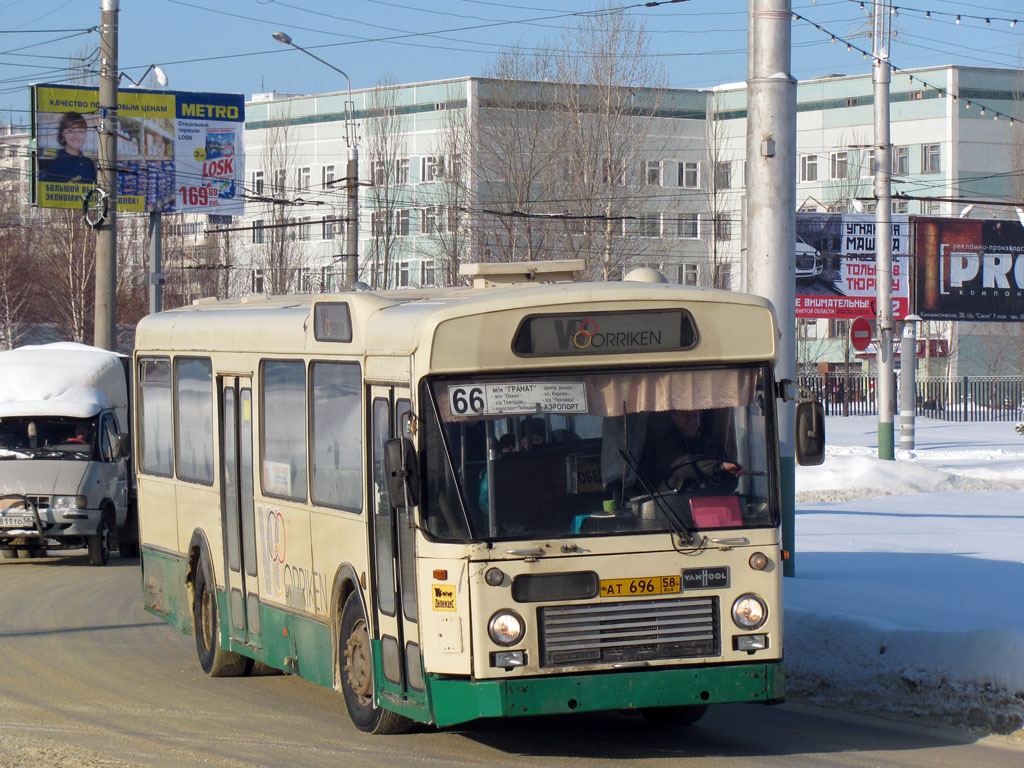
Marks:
<point>604,453</point>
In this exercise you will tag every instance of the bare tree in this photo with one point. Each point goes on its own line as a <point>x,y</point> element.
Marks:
<point>444,218</point>
<point>513,146</point>
<point>389,170</point>
<point>718,180</point>
<point>68,258</point>
<point>276,256</point>
<point>611,91</point>
<point>17,257</point>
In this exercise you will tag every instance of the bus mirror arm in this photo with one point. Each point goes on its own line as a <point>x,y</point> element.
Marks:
<point>401,465</point>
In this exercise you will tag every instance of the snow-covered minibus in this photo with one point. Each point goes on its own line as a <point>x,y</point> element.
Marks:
<point>460,503</point>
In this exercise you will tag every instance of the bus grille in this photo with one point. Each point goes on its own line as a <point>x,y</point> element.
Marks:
<point>632,630</point>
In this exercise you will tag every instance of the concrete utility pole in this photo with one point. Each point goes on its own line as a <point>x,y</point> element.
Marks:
<point>880,77</point>
<point>351,171</point>
<point>770,240</point>
<point>105,320</point>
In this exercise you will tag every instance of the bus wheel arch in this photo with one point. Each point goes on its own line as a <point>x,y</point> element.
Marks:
<point>346,583</point>
<point>354,660</point>
<point>201,587</point>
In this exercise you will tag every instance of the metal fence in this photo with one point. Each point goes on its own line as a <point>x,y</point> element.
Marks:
<point>967,398</point>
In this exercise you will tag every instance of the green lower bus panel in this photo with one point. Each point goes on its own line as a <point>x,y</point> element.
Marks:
<point>460,700</point>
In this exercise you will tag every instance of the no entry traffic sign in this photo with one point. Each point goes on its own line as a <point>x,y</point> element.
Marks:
<point>860,333</point>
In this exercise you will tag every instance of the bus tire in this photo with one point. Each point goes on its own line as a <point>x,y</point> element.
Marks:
<point>9,554</point>
<point>100,542</point>
<point>355,664</point>
<point>128,534</point>
<point>214,660</point>
<point>32,552</point>
<point>674,716</point>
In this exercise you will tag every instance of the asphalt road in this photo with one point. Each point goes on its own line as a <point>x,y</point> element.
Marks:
<point>88,679</point>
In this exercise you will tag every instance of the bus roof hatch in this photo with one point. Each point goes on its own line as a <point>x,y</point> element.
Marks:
<point>518,272</point>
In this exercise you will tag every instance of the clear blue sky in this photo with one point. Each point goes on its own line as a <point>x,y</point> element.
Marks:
<point>226,45</point>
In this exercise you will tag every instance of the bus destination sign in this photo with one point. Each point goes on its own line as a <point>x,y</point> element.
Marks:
<point>602,333</point>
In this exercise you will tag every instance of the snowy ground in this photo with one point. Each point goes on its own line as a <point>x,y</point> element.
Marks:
<point>909,587</point>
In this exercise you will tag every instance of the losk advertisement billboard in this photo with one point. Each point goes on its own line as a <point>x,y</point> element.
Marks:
<point>835,265</point>
<point>970,269</point>
<point>176,150</point>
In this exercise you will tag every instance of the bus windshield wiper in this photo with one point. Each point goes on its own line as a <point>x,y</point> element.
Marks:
<point>666,510</point>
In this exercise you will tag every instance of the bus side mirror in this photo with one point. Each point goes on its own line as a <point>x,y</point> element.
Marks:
<point>809,433</point>
<point>401,467</point>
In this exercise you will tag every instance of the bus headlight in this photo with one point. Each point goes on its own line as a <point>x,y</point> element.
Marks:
<point>749,612</point>
<point>506,627</point>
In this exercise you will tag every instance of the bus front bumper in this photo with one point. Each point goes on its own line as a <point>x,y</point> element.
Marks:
<point>457,700</point>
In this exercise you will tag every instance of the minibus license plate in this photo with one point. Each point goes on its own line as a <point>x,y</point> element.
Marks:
<point>16,521</point>
<point>650,585</point>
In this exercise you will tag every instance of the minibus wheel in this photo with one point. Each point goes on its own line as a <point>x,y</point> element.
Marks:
<point>100,542</point>
<point>355,662</point>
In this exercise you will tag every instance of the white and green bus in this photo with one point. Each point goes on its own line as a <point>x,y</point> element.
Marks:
<point>451,504</point>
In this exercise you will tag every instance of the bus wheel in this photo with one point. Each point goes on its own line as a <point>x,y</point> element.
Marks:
<point>100,542</point>
<point>9,554</point>
<point>668,716</point>
<point>215,661</point>
<point>32,552</point>
<point>356,667</point>
<point>128,534</point>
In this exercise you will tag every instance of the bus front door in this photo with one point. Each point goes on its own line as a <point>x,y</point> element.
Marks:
<point>238,510</point>
<point>397,630</point>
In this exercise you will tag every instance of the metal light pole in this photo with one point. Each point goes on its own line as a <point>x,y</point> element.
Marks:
<point>770,236</point>
<point>351,171</point>
<point>880,77</point>
<point>105,320</point>
<point>908,381</point>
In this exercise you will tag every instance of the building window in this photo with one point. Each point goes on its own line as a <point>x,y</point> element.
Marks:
<point>402,222</point>
<point>427,273</point>
<point>329,228</point>
<point>867,165</point>
<point>723,175</point>
<point>723,227</point>
<point>688,274</point>
<point>933,208</point>
<point>257,182</point>
<point>433,220</point>
<point>258,232</point>
<point>304,177</point>
<point>402,274</point>
<point>808,168</point>
<point>402,171</point>
<point>305,229</point>
<point>613,172</point>
<point>327,176</point>
<point>689,175</point>
<point>900,206</point>
<point>431,168</point>
<point>901,160</point>
<point>931,161</point>
<point>686,226</point>
<point>280,180</point>
<point>650,225</point>
<point>724,277</point>
<point>378,173</point>
<point>838,166</point>
<point>650,170</point>
<point>332,278</point>
<point>380,224</point>
<point>258,281</point>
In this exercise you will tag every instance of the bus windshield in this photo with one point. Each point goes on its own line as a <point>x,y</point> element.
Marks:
<point>591,454</point>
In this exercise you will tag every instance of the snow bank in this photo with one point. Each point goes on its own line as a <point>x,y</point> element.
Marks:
<point>910,576</point>
<point>63,379</point>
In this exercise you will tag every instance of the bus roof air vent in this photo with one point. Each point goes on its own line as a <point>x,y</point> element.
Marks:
<point>521,272</point>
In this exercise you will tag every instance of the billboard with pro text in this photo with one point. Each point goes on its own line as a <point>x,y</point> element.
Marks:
<point>176,150</point>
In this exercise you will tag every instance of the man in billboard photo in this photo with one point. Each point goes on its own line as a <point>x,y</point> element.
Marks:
<point>70,165</point>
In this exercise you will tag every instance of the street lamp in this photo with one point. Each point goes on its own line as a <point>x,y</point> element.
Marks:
<point>351,172</point>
